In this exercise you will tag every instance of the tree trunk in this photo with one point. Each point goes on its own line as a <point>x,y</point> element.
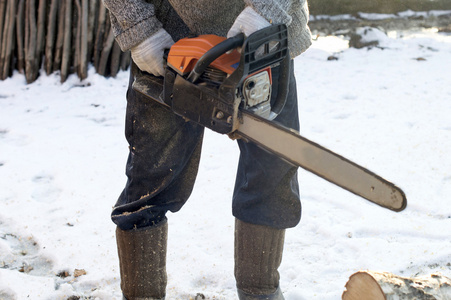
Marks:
<point>385,286</point>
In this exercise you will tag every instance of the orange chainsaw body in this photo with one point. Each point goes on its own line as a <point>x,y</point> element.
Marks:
<point>185,53</point>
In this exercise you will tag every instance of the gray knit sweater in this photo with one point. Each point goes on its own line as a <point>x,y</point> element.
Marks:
<point>135,20</point>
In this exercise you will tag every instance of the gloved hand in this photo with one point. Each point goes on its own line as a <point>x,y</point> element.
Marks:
<point>247,22</point>
<point>148,55</point>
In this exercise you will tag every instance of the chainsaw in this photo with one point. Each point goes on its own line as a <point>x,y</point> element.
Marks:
<point>226,84</point>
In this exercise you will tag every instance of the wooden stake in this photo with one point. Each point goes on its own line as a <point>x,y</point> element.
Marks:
<point>125,60</point>
<point>65,61</point>
<point>8,39</point>
<point>84,41</point>
<point>67,40</point>
<point>50,37</point>
<point>92,25</point>
<point>27,31</point>
<point>40,38</point>
<point>99,35</point>
<point>115,59</point>
<point>106,53</point>
<point>3,41</point>
<point>30,54</point>
<point>20,36</point>
<point>77,36</point>
<point>60,37</point>
<point>2,21</point>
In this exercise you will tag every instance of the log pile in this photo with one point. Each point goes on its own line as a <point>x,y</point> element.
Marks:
<point>62,36</point>
<point>386,286</point>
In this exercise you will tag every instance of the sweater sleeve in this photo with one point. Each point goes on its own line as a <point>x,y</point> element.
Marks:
<point>294,14</point>
<point>275,11</point>
<point>132,21</point>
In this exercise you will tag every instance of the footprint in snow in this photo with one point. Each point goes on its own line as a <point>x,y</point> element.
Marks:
<point>7,294</point>
<point>3,133</point>
<point>44,189</point>
<point>21,253</point>
<point>15,139</point>
<point>341,116</point>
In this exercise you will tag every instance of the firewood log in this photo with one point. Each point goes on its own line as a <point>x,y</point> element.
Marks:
<point>373,285</point>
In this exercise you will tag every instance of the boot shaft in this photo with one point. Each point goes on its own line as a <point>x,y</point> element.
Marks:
<point>258,255</point>
<point>142,261</point>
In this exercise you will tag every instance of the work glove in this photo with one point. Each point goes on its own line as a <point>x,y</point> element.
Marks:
<point>247,22</point>
<point>148,55</point>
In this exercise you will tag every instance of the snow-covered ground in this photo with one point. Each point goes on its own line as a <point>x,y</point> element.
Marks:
<point>62,158</point>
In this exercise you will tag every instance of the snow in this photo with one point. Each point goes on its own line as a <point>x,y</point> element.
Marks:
<point>332,18</point>
<point>375,16</point>
<point>423,14</point>
<point>370,34</point>
<point>378,16</point>
<point>62,158</point>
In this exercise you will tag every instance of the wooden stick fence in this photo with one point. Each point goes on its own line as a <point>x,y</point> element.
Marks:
<point>63,36</point>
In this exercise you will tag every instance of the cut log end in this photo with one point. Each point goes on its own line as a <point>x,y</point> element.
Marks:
<point>362,285</point>
<point>386,286</point>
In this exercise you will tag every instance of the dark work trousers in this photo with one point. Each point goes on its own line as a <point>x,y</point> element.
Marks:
<point>163,162</point>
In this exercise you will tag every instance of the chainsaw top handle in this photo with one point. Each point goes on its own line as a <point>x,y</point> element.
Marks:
<point>212,54</point>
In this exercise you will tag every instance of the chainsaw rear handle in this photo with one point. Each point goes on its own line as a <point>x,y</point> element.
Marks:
<point>264,48</point>
<point>283,88</point>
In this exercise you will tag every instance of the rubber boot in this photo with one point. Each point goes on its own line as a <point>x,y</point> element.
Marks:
<point>142,261</point>
<point>258,254</point>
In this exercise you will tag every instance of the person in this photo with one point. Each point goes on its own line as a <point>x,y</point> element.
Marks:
<point>165,149</point>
